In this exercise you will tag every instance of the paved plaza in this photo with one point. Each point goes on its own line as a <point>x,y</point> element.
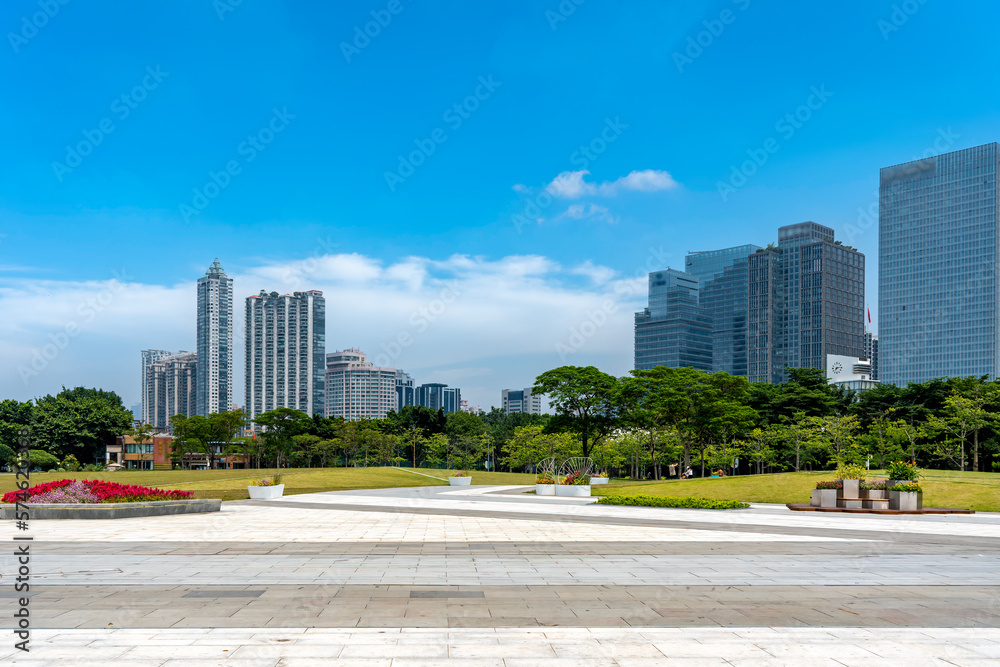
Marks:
<point>491,576</point>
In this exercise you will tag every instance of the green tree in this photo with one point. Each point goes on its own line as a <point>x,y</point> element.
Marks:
<point>280,425</point>
<point>7,455</point>
<point>530,444</point>
<point>14,415</point>
<point>80,421</point>
<point>586,402</point>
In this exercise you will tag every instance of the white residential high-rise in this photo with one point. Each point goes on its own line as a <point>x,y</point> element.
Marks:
<point>148,357</point>
<point>215,341</point>
<point>356,389</point>
<point>520,400</point>
<point>285,343</point>
<point>169,389</point>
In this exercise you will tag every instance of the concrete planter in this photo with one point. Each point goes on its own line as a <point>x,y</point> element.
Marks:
<point>575,490</point>
<point>115,510</point>
<point>906,501</point>
<point>265,492</point>
<point>873,494</point>
<point>545,489</point>
<point>824,498</point>
<point>598,480</point>
<point>460,481</point>
<point>852,488</point>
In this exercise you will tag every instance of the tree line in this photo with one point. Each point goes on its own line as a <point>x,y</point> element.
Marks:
<point>637,426</point>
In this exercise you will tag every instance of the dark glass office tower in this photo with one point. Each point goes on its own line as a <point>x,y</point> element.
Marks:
<point>722,276</point>
<point>674,331</point>
<point>805,301</point>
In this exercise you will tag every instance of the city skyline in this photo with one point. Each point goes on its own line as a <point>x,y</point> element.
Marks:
<point>522,239</point>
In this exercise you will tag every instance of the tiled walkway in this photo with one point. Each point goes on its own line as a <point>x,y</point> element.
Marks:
<point>437,576</point>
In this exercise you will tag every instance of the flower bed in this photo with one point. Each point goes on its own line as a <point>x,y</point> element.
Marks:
<point>92,491</point>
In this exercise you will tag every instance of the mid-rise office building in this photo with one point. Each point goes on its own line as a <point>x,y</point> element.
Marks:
<point>722,277</point>
<point>437,396</point>
<point>356,389</point>
<point>520,400</point>
<point>939,234</point>
<point>871,352</point>
<point>170,389</point>
<point>805,302</point>
<point>674,330</point>
<point>285,345</point>
<point>215,341</point>
<point>406,393</point>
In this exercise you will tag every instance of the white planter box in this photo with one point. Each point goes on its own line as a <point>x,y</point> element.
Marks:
<point>545,489</point>
<point>907,501</point>
<point>577,490</point>
<point>824,497</point>
<point>266,492</point>
<point>598,480</point>
<point>852,488</point>
<point>460,481</point>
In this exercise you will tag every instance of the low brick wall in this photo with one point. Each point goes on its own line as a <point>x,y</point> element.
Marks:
<point>115,510</point>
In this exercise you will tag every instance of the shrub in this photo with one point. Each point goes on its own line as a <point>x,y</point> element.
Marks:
<point>42,459</point>
<point>850,471</point>
<point>829,485</point>
<point>902,470</point>
<point>70,463</point>
<point>7,455</point>
<point>664,501</point>
<point>912,487</point>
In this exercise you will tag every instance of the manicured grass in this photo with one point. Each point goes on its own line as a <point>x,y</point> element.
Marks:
<point>232,484</point>
<point>942,488</point>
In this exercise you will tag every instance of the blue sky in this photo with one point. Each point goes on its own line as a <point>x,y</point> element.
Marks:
<point>311,206</point>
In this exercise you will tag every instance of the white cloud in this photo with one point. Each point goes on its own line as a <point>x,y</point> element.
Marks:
<point>586,211</point>
<point>571,184</point>
<point>435,318</point>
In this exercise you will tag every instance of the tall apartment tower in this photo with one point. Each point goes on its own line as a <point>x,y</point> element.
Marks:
<point>674,330</point>
<point>215,341</point>
<point>356,388</point>
<point>520,400</point>
<point>285,347</point>
<point>805,301</point>
<point>871,352</point>
<point>169,389</point>
<point>722,277</point>
<point>939,240</point>
<point>148,357</point>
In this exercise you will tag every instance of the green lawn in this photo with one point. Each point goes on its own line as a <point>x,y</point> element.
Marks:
<point>979,491</point>
<point>232,484</point>
<point>942,488</point>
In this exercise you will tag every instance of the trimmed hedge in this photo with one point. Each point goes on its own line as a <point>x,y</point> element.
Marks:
<point>666,501</point>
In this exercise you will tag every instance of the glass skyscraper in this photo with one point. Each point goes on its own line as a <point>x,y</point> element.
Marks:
<point>806,301</point>
<point>674,330</point>
<point>752,311</point>
<point>938,247</point>
<point>215,341</point>
<point>722,275</point>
